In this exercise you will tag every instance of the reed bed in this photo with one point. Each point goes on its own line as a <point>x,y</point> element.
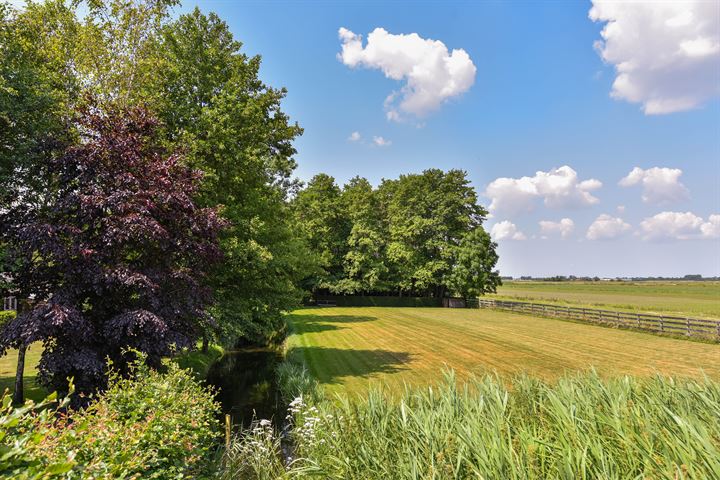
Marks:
<point>579,427</point>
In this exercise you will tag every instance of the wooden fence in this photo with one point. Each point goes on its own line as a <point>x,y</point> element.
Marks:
<point>9,303</point>
<point>688,326</point>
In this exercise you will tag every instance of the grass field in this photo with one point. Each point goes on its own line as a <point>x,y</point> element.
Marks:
<point>701,299</point>
<point>348,348</point>
<point>8,363</point>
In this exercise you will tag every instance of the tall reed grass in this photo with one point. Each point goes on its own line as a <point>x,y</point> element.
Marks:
<point>580,427</point>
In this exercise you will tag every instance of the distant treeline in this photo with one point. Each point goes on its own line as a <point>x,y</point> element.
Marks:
<point>418,235</point>
<point>573,278</point>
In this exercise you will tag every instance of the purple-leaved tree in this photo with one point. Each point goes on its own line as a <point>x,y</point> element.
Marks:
<point>117,256</point>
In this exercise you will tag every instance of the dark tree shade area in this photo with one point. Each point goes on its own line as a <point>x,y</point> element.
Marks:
<point>118,256</point>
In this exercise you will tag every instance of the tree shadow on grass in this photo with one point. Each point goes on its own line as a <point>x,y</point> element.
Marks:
<point>307,323</point>
<point>31,388</point>
<point>330,365</point>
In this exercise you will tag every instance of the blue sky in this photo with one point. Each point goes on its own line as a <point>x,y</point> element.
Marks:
<point>543,96</point>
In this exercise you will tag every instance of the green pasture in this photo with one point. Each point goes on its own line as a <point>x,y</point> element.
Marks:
<point>685,298</point>
<point>351,347</point>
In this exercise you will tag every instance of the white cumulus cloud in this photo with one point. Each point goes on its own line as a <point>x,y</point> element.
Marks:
<point>381,142</point>
<point>660,185</point>
<point>564,227</point>
<point>430,72</point>
<point>711,228</point>
<point>506,230</point>
<point>354,137</point>
<point>666,53</point>
<point>680,226</point>
<point>606,227</point>
<point>559,188</point>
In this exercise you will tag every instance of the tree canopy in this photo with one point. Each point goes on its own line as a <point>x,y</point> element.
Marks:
<point>121,250</point>
<point>420,234</point>
<point>191,74</point>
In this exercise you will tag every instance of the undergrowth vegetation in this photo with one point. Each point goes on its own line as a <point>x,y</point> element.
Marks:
<point>198,361</point>
<point>153,426</point>
<point>581,426</point>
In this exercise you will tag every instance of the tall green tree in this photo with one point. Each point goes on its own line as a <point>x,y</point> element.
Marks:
<point>364,263</point>
<point>114,47</point>
<point>428,214</point>
<point>324,223</point>
<point>210,98</point>
<point>190,72</point>
<point>37,89</point>
<point>473,271</point>
<point>420,235</point>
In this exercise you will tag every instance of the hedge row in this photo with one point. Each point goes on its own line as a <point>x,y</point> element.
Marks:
<point>378,301</point>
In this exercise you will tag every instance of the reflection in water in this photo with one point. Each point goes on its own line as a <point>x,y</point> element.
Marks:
<point>247,385</point>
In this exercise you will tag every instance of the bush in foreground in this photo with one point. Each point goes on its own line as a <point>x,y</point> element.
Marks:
<point>579,427</point>
<point>155,426</point>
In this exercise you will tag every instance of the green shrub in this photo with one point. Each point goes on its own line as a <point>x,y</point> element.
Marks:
<point>580,427</point>
<point>21,431</point>
<point>154,426</point>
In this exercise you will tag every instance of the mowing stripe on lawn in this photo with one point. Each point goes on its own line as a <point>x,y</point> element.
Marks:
<point>349,347</point>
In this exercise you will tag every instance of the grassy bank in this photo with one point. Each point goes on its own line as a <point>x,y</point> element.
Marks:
<point>199,362</point>
<point>684,298</point>
<point>347,349</point>
<point>581,426</point>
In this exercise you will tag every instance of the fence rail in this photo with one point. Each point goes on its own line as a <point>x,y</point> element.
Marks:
<point>688,326</point>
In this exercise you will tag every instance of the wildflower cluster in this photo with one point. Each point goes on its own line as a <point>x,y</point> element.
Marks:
<point>255,453</point>
<point>308,424</point>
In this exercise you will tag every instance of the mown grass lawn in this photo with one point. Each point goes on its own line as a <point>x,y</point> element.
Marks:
<point>350,347</point>
<point>8,364</point>
<point>701,299</point>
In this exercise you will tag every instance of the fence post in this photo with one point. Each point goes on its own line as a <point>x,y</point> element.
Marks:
<point>228,430</point>
<point>662,324</point>
<point>687,319</point>
<point>638,319</point>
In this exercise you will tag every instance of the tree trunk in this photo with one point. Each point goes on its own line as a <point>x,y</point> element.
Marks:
<point>205,344</point>
<point>19,395</point>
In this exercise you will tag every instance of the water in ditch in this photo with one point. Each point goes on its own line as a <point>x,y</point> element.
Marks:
<point>247,385</point>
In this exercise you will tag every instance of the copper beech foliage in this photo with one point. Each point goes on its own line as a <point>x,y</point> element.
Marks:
<point>120,252</point>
